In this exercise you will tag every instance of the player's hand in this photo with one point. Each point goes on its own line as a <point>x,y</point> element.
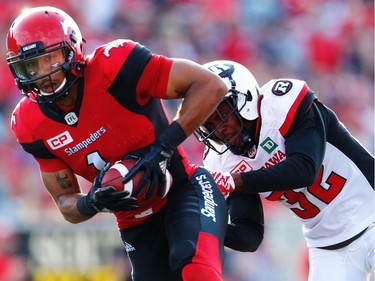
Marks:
<point>224,181</point>
<point>153,162</point>
<point>105,199</point>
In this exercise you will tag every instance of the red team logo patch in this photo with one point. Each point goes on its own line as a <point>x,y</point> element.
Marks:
<point>241,167</point>
<point>60,140</point>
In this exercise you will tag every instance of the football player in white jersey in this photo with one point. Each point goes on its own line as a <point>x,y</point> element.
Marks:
<point>281,142</point>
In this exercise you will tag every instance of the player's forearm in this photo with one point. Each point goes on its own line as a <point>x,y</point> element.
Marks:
<point>199,103</point>
<point>290,174</point>
<point>244,237</point>
<point>238,182</point>
<point>67,205</point>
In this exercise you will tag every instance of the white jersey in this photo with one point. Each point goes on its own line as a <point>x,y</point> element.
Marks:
<point>339,204</point>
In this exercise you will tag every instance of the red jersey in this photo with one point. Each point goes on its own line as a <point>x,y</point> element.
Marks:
<point>118,110</point>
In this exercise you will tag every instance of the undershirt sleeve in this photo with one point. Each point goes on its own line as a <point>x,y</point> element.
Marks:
<point>246,228</point>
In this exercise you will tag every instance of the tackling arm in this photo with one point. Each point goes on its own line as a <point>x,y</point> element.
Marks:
<point>246,228</point>
<point>305,148</point>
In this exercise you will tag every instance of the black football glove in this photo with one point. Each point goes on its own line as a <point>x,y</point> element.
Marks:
<point>104,199</point>
<point>154,161</point>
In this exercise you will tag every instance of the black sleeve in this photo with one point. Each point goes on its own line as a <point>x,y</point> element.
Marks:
<point>37,149</point>
<point>305,145</point>
<point>246,228</point>
<point>341,138</point>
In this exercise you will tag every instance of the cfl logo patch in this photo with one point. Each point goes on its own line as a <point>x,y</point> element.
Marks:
<point>71,118</point>
<point>60,140</point>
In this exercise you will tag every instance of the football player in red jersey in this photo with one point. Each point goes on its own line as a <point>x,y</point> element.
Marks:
<point>81,112</point>
<point>280,141</point>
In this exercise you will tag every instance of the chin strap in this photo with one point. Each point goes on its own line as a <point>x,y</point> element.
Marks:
<point>54,91</point>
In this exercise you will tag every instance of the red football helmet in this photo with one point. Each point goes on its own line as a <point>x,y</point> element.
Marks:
<point>45,35</point>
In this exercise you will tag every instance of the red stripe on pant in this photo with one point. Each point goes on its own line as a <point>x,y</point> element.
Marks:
<point>206,264</point>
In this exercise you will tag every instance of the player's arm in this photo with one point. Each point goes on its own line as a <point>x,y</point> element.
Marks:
<point>201,89</point>
<point>77,207</point>
<point>246,227</point>
<point>65,191</point>
<point>305,148</point>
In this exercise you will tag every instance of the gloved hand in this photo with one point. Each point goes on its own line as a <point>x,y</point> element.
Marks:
<point>154,161</point>
<point>224,181</point>
<point>105,199</point>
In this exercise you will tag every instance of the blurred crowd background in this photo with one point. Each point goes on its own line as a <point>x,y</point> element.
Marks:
<point>328,43</point>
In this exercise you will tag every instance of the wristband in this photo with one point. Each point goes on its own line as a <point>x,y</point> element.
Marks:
<point>85,207</point>
<point>172,136</point>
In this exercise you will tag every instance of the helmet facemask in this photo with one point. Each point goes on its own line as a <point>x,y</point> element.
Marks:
<point>210,134</point>
<point>24,67</point>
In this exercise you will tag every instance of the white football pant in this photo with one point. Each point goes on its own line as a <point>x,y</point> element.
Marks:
<point>355,262</point>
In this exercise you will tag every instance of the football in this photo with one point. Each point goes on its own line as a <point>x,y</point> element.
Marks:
<point>113,177</point>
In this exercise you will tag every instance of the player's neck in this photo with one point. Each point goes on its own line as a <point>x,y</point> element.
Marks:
<point>69,101</point>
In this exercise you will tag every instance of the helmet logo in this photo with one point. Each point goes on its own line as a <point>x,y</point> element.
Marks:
<point>223,70</point>
<point>13,120</point>
<point>66,24</point>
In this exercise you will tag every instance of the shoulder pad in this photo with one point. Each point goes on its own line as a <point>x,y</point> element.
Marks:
<point>280,87</point>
